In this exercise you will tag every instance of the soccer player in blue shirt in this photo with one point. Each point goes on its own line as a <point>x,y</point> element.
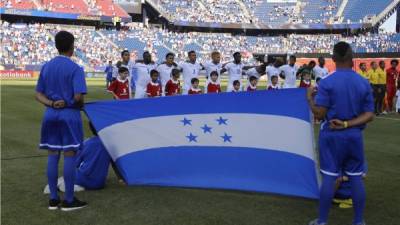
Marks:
<point>61,87</point>
<point>344,101</point>
<point>109,74</point>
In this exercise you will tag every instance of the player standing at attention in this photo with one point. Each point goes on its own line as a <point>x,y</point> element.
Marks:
<point>344,101</point>
<point>213,65</point>
<point>153,88</point>
<point>320,70</point>
<point>125,62</point>
<point>142,70</point>
<point>213,86</point>
<point>173,86</point>
<point>165,69</point>
<point>109,73</point>
<point>60,88</point>
<point>119,88</point>
<point>391,75</point>
<point>288,72</point>
<point>190,69</point>
<point>273,70</point>
<point>235,70</point>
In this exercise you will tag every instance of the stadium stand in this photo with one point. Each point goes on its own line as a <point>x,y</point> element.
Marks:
<point>356,10</point>
<point>96,47</point>
<point>65,6</point>
<point>17,4</point>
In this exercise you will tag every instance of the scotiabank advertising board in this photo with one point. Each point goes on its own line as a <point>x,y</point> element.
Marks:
<point>14,74</point>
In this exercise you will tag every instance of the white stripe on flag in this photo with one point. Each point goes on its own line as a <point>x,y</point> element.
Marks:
<point>259,131</point>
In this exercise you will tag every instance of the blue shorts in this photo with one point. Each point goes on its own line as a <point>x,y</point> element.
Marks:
<point>61,130</point>
<point>341,151</point>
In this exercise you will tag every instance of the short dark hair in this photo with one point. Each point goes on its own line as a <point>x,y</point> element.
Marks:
<point>363,63</point>
<point>191,51</point>
<point>213,73</point>
<point>394,61</point>
<point>146,52</point>
<point>64,41</point>
<point>169,54</point>
<point>236,53</point>
<point>252,78</point>
<point>292,57</point>
<point>236,82</point>
<point>372,62</point>
<point>318,79</point>
<point>193,80</point>
<point>342,52</point>
<point>274,76</point>
<point>122,69</point>
<point>124,51</point>
<point>110,61</point>
<point>153,72</point>
<point>312,62</point>
<point>175,72</point>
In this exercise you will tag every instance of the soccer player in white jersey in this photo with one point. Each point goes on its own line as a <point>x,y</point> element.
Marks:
<point>235,71</point>
<point>320,70</point>
<point>288,72</point>
<point>190,69</point>
<point>125,62</point>
<point>213,65</point>
<point>142,74</point>
<point>256,71</point>
<point>165,70</point>
<point>273,70</point>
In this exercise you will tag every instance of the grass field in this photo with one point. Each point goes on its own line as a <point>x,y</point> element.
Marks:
<point>23,179</point>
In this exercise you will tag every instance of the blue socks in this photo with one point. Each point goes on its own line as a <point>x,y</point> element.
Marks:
<point>52,174</point>
<point>326,195</point>
<point>69,177</point>
<point>358,195</point>
<point>328,190</point>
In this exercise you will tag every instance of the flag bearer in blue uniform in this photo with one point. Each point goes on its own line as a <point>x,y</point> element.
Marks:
<point>61,87</point>
<point>344,101</point>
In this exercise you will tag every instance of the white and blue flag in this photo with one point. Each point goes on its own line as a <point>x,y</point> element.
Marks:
<point>259,141</point>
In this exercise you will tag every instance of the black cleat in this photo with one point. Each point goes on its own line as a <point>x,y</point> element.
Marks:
<point>74,205</point>
<point>53,204</point>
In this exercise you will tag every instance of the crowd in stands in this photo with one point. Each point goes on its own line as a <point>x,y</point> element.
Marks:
<point>33,44</point>
<point>209,11</point>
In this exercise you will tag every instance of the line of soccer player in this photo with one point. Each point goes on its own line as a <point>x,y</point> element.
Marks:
<point>144,78</point>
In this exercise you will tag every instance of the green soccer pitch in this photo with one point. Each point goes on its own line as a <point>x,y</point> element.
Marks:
<point>23,179</point>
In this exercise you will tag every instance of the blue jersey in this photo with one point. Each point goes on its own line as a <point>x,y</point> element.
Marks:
<point>60,79</point>
<point>109,72</point>
<point>346,95</point>
<point>93,162</point>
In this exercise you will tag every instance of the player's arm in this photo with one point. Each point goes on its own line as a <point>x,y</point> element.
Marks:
<point>359,120</point>
<point>42,98</point>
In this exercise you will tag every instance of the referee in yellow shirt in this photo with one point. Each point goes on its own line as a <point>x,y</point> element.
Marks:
<point>377,78</point>
<point>363,70</point>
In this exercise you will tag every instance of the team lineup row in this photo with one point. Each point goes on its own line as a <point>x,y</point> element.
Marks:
<point>144,78</point>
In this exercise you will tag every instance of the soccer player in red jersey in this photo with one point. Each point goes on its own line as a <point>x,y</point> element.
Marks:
<point>274,83</point>
<point>213,86</point>
<point>153,87</point>
<point>305,81</point>
<point>173,86</point>
<point>253,84</point>
<point>119,88</point>
<point>391,75</point>
<point>194,90</point>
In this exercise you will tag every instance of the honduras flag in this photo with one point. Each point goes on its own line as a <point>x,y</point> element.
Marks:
<point>260,141</point>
